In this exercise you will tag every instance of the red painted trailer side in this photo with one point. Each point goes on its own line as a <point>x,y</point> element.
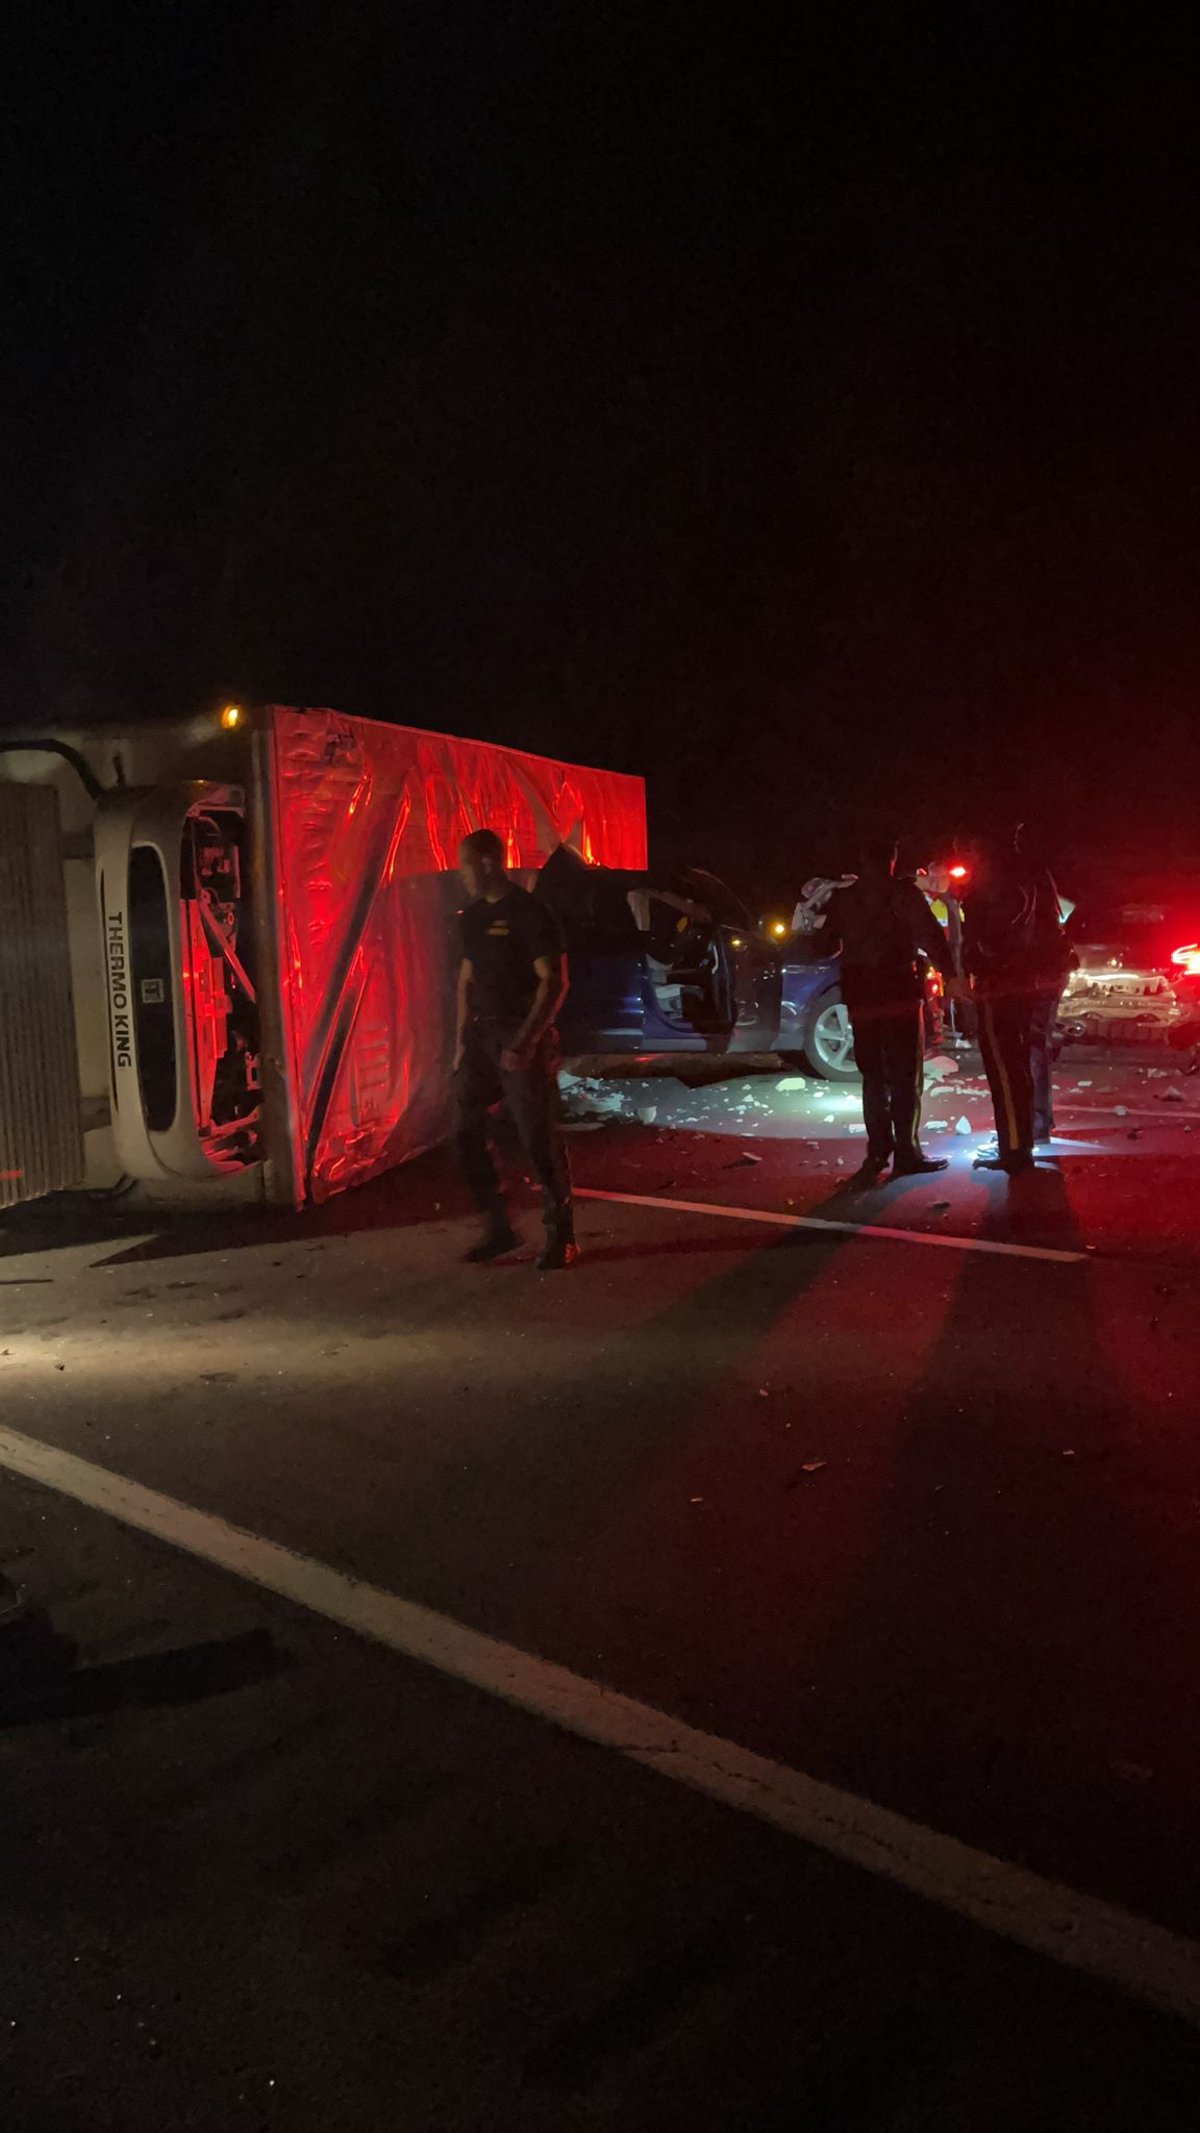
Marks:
<point>356,828</point>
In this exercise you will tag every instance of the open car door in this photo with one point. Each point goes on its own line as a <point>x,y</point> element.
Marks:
<point>605,1008</point>
<point>749,970</point>
<point>672,968</point>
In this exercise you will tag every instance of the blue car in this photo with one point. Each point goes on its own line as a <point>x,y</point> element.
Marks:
<point>678,966</point>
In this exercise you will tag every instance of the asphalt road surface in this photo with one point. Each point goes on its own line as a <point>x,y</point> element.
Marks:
<point>771,1694</point>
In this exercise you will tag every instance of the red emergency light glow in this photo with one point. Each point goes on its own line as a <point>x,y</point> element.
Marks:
<point>957,872</point>
<point>1189,959</point>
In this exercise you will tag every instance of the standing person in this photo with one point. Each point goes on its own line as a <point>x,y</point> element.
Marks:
<point>939,885</point>
<point>512,982</point>
<point>1000,956</point>
<point>1053,960</point>
<point>883,928</point>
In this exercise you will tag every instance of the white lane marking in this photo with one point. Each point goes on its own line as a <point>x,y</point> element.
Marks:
<point>1166,1115</point>
<point>849,1229</point>
<point>1144,1960</point>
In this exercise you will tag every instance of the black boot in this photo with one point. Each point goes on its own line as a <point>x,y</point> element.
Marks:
<point>498,1239</point>
<point>869,1171</point>
<point>919,1166</point>
<point>560,1249</point>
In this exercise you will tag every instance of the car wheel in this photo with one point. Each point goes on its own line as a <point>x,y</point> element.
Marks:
<point>829,1040</point>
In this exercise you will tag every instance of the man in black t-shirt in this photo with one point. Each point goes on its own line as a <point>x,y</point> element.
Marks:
<point>512,982</point>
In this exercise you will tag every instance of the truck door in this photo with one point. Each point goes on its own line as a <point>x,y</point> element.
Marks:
<point>182,1008</point>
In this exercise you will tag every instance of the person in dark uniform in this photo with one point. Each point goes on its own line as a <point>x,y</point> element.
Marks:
<point>939,885</point>
<point>512,983</point>
<point>1054,967</point>
<point>1053,959</point>
<point>1000,954</point>
<point>884,931</point>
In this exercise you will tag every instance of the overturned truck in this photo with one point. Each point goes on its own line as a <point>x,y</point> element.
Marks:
<point>226,947</point>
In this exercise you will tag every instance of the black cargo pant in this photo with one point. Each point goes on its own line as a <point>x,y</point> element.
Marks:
<point>1005,1037</point>
<point>890,1050</point>
<point>530,1096</point>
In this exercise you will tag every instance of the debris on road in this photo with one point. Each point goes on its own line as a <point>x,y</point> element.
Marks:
<point>940,1067</point>
<point>963,1125</point>
<point>791,1084</point>
<point>740,1162</point>
<point>586,1097</point>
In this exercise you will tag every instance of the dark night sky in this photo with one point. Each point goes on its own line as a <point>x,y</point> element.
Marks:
<point>804,415</point>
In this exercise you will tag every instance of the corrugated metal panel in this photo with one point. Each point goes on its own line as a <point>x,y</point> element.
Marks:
<point>41,1137</point>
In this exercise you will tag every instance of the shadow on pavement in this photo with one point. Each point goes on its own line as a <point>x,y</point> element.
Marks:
<point>651,1412</point>
<point>670,1248</point>
<point>42,1684</point>
<point>402,1199</point>
<point>1013,1633</point>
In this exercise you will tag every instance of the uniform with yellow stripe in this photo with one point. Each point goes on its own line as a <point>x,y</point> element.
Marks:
<point>999,955</point>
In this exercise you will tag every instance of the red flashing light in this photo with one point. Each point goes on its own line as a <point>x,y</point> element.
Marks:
<point>957,872</point>
<point>1189,958</point>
